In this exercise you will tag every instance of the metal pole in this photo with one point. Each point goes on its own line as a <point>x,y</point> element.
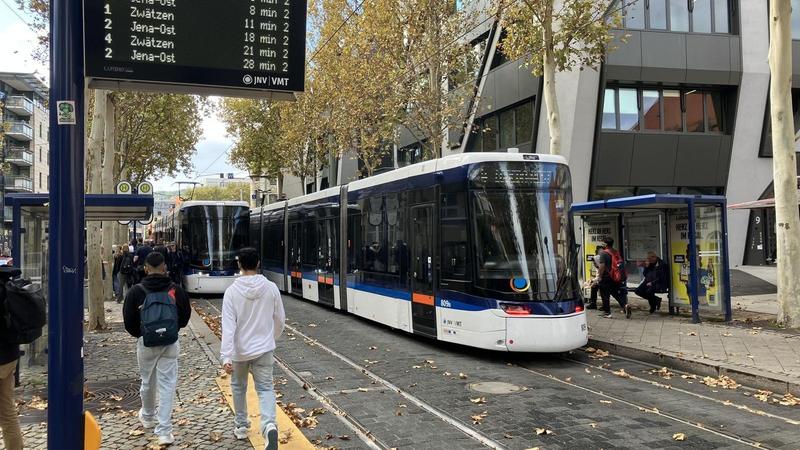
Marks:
<point>726,265</point>
<point>67,236</point>
<point>694,280</point>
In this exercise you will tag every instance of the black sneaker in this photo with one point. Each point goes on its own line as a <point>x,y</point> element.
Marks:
<point>628,311</point>
<point>591,306</point>
<point>606,315</point>
<point>271,437</point>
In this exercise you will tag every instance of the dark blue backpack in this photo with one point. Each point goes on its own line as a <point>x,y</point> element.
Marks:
<point>159,318</point>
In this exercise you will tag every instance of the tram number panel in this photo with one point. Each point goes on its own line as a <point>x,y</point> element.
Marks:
<point>171,45</point>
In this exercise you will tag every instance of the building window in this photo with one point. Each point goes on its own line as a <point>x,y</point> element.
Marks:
<point>40,180</point>
<point>40,153</point>
<point>670,110</point>
<point>504,129</point>
<point>410,154</point>
<point>696,16</point>
<point>795,19</point>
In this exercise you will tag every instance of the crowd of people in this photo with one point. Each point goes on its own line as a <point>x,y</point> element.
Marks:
<point>129,259</point>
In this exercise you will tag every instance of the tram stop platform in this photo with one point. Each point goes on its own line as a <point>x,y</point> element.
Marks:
<point>751,348</point>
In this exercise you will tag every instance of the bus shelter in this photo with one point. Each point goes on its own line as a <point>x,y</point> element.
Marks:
<point>675,227</point>
<point>29,235</point>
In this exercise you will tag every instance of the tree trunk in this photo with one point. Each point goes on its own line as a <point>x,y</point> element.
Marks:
<point>94,255</point>
<point>108,188</point>
<point>549,78</point>
<point>787,220</point>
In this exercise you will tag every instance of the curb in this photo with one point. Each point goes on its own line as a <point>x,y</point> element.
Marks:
<point>776,383</point>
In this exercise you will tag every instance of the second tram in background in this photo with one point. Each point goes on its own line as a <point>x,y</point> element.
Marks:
<point>208,233</point>
<point>476,249</point>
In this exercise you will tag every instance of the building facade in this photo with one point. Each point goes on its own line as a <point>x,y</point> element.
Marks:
<point>679,106</point>
<point>25,145</point>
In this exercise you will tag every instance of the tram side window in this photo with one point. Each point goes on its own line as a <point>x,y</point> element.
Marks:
<point>395,233</point>
<point>454,227</point>
<point>375,254</point>
<point>309,240</point>
<point>354,243</point>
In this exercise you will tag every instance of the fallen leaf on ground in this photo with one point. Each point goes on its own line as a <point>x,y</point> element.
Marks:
<point>373,347</point>
<point>606,402</point>
<point>285,437</point>
<point>462,375</point>
<point>541,431</point>
<point>762,395</point>
<point>679,437</point>
<point>215,436</point>
<point>692,333</point>
<point>723,381</point>
<point>621,373</point>
<point>663,373</point>
<point>136,432</point>
<point>344,437</point>
<point>590,349</point>
<point>478,401</point>
<point>478,418</point>
<point>593,425</point>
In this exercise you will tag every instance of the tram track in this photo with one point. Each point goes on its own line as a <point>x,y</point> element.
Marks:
<point>652,409</point>
<point>349,420</point>
<point>681,415</point>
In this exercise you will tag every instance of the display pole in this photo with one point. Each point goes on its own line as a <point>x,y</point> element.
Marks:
<point>65,423</point>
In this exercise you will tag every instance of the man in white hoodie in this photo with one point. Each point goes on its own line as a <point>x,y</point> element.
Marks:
<point>252,319</point>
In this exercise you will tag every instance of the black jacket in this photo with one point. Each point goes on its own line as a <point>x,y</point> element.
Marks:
<point>657,274</point>
<point>135,297</point>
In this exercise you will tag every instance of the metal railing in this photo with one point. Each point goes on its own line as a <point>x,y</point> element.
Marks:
<point>18,183</point>
<point>18,130</point>
<point>17,155</point>
<point>20,105</point>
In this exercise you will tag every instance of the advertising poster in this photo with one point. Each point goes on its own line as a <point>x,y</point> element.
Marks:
<point>594,230</point>
<point>642,235</point>
<point>708,258</point>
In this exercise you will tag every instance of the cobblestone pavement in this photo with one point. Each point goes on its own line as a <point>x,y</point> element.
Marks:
<point>408,392</point>
<point>201,417</point>
<point>746,344</point>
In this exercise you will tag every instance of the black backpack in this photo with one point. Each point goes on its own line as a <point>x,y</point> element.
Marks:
<point>159,318</point>
<point>24,312</point>
<point>126,266</point>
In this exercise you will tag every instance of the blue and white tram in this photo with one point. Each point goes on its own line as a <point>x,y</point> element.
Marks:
<point>208,234</point>
<point>476,249</point>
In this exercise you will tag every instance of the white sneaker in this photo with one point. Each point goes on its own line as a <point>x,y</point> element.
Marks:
<point>240,432</point>
<point>271,437</point>
<point>145,423</point>
<point>166,440</point>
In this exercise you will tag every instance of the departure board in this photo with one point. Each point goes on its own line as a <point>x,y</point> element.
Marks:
<point>200,46</point>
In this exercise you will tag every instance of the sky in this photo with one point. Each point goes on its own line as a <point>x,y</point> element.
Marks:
<point>16,42</point>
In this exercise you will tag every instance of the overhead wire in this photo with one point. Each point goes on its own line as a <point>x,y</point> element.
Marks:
<point>16,13</point>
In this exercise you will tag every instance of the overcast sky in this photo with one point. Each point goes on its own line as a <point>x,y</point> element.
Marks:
<point>16,42</point>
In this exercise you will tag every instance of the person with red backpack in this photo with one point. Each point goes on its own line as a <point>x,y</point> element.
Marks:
<point>611,278</point>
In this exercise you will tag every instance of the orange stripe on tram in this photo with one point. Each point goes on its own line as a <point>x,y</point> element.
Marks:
<point>423,299</point>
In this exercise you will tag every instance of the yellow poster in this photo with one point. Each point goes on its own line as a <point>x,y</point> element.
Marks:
<point>594,230</point>
<point>708,258</point>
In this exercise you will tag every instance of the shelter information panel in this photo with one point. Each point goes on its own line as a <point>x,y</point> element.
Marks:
<point>233,44</point>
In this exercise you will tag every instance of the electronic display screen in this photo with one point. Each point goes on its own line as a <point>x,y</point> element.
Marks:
<point>226,44</point>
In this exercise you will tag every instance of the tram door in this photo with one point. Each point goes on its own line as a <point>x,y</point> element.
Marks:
<point>423,309</point>
<point>295,267</point>
<point>326,233</point>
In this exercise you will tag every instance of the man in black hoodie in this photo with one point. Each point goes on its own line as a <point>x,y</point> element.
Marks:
<point>9,354</point>
<point>158,366</point>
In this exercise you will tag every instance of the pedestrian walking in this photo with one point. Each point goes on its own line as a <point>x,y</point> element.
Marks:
<point>139,256</point>
<point>126,269</point>
<point>654,281</point>
<point>611,279</point>
<point>116,255</point>
<point>594,287</point>
<point>153,312</point>
<point>174,263</point>
<point>9,418</point>
<point>252,319</point>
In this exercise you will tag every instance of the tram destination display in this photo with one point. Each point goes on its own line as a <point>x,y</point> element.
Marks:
<point>228,47</point>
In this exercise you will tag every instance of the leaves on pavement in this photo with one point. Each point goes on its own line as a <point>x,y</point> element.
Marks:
<point>679,436</point>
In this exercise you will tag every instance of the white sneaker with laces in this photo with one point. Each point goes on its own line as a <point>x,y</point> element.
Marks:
<point>271,437</point>
<point>166,439</point>
<point>240,432</point>
<point>145,423</point>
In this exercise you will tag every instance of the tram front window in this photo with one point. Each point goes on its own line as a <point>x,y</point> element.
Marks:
<point>523,236</point>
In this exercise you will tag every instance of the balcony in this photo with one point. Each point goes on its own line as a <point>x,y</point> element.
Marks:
<point>19,105</point>
<point>18,183</point>
<point>20,156</point>
<point>20,131</point>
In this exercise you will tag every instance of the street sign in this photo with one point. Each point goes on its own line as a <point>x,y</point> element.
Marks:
<point>123,188</point>
<point>145,188</point>
<point>234,47</point>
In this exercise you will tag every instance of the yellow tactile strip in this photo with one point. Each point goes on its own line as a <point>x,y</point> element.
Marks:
<point>287,430</point>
